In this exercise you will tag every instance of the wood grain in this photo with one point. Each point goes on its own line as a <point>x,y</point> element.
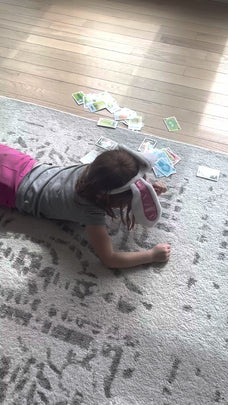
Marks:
<point>160,58</point>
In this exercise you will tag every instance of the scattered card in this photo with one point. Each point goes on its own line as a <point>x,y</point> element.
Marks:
<point>124,114</point>
<point>78,97</point>
<point>172,156</point>
<point>107,122</point>
<point>96,106</point>
<point>147,145</point>
<point>157,173</point>
<point>135,124</point>
<point>165,167</point>
<point>158,154</point>
<point>208,173</point>
<point>112,107</point>
<point>88,99</point>
<point>111,104</point>
<point>90,157</point>
<point>106,143</point>
<point>97,101</point>
<point>172,124</point>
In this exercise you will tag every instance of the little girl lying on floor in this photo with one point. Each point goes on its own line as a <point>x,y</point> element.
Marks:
<point>85,193</point>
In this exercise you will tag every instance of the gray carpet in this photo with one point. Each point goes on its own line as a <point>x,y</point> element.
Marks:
<point>74,332</point>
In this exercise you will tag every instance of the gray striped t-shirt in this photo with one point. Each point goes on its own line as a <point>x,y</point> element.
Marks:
<point>49,191</point>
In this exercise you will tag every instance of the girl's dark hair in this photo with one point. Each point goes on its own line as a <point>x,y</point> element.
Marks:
<point>110,170</point>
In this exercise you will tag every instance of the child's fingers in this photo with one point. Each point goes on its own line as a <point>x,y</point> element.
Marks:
<point>160,187</point>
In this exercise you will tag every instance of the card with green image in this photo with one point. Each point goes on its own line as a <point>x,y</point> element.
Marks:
<point>172,124</point>
<point>78,97</point>
<point>96,106</point>
<point>107,122</point>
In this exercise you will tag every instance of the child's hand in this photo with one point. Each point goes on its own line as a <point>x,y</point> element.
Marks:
<point>159,187</point>
<point>160,253</point>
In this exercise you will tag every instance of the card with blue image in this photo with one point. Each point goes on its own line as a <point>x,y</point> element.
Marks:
<point>164,166</point>
<point>157,172</point>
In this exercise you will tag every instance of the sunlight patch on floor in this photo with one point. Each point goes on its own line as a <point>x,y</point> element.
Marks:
<point>219,87</point>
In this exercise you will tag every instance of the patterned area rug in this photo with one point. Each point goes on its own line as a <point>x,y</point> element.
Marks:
<point>74,332</point>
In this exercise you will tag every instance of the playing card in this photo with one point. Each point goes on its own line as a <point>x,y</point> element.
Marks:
<point>104,97</point>
<point>124,114</point>
<point>78,97</point>
<point>147,145</point>
<point>157,172</point>
<point>112,106</point>
<point>107,122</point>
<point>88,99</point>
<point>208,173</point>
<point>158,154</point>
<point>165,167</point>
<point>135,124</point>
<point>96,106</point>
<point>172,124</point>
<point>90,157</point>
<point>106,143</point>
<point>172,156</point>
<point>111,103</point>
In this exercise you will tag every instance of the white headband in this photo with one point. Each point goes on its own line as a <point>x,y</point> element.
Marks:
<point>145,204</point>
<point>126,186</point>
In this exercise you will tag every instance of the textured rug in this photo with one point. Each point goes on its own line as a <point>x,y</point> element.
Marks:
<point>74,332</point>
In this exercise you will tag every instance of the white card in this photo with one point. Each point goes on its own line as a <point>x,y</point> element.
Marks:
<point>106,143</point>
<point>208,173</point>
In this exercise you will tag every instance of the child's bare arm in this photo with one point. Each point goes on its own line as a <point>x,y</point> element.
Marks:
<point>102,244</point>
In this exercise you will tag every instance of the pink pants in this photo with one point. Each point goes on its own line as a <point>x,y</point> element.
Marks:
<point>14,165</point>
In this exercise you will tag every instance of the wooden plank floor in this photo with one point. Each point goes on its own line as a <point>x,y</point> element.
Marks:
<point>160,58</point>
